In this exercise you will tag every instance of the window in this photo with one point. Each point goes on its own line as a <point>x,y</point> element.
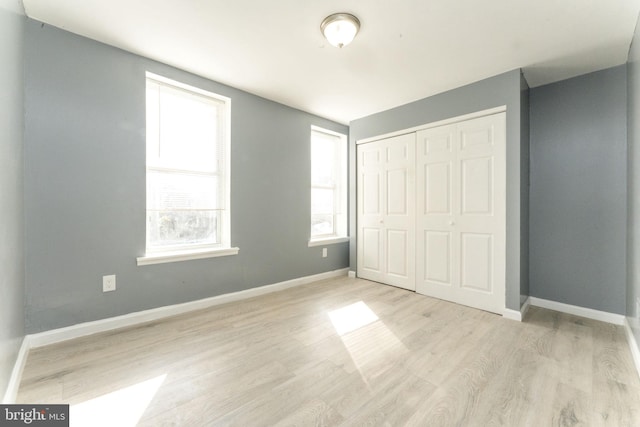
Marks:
<point>328,186</point>
<point>187,172</point>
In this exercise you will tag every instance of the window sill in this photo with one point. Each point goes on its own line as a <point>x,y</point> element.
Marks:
<point>160,258</point>
<point>328,241</point>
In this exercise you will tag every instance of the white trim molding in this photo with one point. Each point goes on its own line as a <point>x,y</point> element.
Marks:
<point>603,316</point>
<point>327,241</point>
<point>16,374</point>
<point>515,314</point>
<point>89,328</point>
<point>352,274</point>
<point>161,258</point>
<point>633,344</point>
<point>512,314</point>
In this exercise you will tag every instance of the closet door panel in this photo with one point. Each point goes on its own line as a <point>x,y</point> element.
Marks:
<point>476,256</point>
<point>476,191</point>
<point>398,248</point>
<point>386,211</point>
<point>437,257</point>
<point>371,196</point>
<point>469,171</point>
<point>481,220</point>
<point>435,194</point>
<point>371,250</point>
<point>437,183</point>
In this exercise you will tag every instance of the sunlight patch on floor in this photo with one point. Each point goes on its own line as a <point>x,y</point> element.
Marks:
<point>122,408</point>
<point>369,342</point>
<point>352,317</point>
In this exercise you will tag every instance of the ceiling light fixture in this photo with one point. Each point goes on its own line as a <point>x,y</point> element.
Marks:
<point>340,28</point>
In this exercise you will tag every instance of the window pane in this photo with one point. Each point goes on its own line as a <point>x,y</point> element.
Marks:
<point>322,225</point>
<point>323,159</point>
<point>183,129</point>
<point>175,228</point>
<point>322,201</point>
<point>188,131</point>
<point>170,190</point>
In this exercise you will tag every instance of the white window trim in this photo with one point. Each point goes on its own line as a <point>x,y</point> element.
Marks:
<point>164,257</point>
<point>327,241</point>
<point>338,237</point>
<point>208,251</point>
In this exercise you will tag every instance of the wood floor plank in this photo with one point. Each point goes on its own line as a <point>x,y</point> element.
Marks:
<point>516,391</point>
<point>314,412</point>
<point>571,407</point>
<point>460,397</point>
<point>279,360</point>
<point>286,398</point>
<point>397,401</point>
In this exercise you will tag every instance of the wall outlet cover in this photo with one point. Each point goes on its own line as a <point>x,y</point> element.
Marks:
<point>109,283</point>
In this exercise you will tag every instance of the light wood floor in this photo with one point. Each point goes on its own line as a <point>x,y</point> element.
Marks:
<point>277,360</point>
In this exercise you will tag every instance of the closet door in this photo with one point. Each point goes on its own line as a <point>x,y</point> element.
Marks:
<point>460,222</point>
<point>386,211</point>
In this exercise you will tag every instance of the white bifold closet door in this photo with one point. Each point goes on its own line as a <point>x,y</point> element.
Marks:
<point>386,206</point>
<point>431,211</point>
<point>460,223</point>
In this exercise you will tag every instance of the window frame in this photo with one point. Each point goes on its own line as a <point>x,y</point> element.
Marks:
<point>340,205</point>
<point>197,250</point>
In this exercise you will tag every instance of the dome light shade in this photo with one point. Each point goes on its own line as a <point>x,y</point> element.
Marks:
<point>340,28</point>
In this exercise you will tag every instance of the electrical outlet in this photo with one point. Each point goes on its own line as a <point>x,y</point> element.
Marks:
<point>109,283</point>
<point>324,252</point>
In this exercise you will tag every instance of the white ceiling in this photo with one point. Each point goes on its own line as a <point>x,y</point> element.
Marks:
<point>406,49</point>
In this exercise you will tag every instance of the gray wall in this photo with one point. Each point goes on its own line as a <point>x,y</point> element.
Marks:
<point>504,89</point>
<point>578,191</point>
<point>11,206</point>
<point>85,188</point>
<point>633,162</point>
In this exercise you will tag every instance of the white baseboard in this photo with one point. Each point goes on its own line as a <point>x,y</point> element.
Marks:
<point>603,316</point>
<point>512,315</point>
<point>633,345</point>
<point>515,314</point>
<point>89,328</point>
<point>352,274</point>
<point>16,374</point>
